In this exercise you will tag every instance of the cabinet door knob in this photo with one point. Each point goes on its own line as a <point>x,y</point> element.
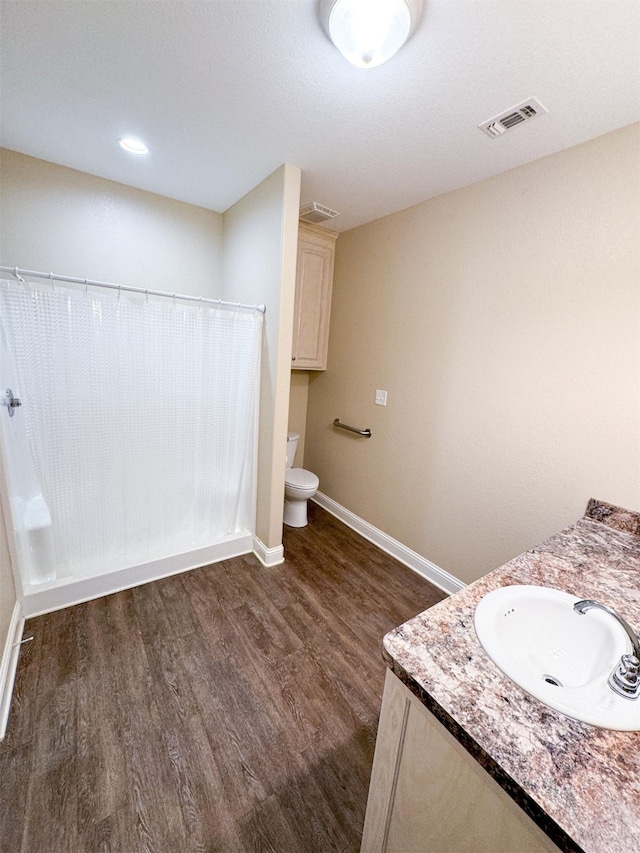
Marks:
<point>293,358</point>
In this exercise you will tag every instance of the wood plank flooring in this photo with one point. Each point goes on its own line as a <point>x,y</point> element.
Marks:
<point>232,708</point>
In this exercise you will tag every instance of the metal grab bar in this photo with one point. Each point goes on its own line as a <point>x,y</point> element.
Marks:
<point>365,432</point>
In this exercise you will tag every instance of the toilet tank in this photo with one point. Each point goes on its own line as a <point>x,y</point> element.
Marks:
<point>292,446</point>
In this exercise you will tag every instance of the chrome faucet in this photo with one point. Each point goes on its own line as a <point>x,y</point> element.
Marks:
<point>625,678</point>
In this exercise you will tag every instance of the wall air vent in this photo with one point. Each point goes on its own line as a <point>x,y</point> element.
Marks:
<point>315,212</point>
<point>516,115</point>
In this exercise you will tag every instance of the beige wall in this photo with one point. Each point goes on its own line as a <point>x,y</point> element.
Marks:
<point>298,401</point>
<point>503,319</point>
<point>59,220</point>
<point>260,247</point>
<point>7,586</point>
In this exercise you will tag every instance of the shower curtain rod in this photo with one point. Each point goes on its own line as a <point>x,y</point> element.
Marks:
<point>50,276</point>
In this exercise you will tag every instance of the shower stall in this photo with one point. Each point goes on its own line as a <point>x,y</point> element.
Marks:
<point>128,431</point>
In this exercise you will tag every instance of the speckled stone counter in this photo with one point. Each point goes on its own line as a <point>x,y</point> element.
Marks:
<point>581,784</point>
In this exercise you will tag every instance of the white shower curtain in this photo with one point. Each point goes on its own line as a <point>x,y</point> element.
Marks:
<point>139,415</point>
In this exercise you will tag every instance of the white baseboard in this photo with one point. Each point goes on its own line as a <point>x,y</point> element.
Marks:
<point>9,664</point>
<point>268,556</point>
<point>54,595</point>
<point>434,574</point>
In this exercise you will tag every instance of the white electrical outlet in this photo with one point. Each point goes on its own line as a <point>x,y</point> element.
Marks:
<point>381,398</point>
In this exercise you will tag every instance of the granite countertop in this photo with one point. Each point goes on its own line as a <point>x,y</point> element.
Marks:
<point>580,783</point>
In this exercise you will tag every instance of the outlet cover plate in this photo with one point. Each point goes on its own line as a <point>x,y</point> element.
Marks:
<point>381,398</point>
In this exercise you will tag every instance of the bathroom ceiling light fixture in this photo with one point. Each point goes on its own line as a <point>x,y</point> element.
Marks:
<point>369,32</point>
<point>132,145</point>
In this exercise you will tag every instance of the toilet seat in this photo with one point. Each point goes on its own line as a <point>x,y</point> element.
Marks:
<point>301,479</point>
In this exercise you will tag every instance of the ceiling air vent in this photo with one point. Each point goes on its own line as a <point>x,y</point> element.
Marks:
<point>516,115</point>
<point>315,212</point>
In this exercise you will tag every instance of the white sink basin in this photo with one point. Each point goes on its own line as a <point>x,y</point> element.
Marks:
<point>561,657</point>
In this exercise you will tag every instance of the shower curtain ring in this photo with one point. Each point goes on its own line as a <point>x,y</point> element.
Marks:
<point>53,286</point>
<point>17,275</point>
<point>86,287</point>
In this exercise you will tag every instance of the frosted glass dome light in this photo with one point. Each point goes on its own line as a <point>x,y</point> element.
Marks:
<point>369,32</point>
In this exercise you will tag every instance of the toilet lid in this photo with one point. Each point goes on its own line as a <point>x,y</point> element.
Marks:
<point>301,478</point>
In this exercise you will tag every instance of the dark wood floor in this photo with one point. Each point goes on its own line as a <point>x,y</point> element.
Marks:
<point>231,708</point>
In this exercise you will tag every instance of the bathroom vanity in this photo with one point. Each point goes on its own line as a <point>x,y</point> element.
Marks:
<point>466,760</point>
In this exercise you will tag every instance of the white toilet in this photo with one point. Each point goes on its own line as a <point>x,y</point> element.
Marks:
<point>299,486</point>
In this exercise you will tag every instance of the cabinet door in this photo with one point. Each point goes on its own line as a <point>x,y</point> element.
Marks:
<point>428,795</point>
<point>314,281</point>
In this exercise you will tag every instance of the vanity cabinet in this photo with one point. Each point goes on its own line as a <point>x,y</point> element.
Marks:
<point>428,794</point>
<point>314,282</point>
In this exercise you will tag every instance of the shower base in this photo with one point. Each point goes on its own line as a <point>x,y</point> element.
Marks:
<point>53,595</point>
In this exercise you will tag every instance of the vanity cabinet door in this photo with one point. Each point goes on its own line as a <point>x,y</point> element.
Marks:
<point>428,794</point>
<point>314,282</point>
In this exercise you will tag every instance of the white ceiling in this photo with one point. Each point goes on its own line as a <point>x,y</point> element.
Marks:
<point>224,91</point>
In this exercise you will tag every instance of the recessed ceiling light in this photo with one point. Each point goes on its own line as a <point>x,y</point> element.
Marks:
<point>133,145</point>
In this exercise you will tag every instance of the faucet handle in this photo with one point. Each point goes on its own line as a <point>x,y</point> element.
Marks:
<point>630,663</point>
<point>625,679</point>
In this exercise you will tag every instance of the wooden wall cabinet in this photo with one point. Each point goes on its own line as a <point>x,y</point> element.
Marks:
<point>314,282</point>
<point>428,794</point>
